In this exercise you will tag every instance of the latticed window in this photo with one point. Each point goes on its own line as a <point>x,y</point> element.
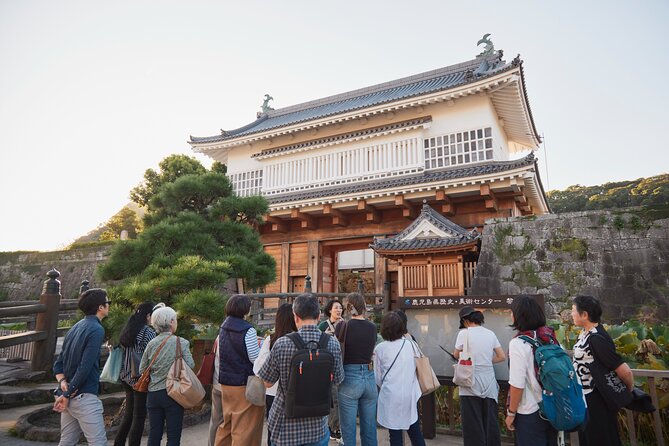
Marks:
<point>459,148</point>
<point>247,183</point>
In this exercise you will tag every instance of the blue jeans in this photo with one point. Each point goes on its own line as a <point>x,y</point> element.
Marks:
<point>357,396</point>
<point>322,442</point>
<point>161,409</point>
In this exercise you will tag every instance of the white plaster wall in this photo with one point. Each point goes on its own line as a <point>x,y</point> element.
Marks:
<point>239,160</point>
<point>469,113</point>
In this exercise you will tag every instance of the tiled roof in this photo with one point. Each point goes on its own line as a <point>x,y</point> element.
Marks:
<point>420,84</point>
<point>424,177</point>
<point>457,235</point>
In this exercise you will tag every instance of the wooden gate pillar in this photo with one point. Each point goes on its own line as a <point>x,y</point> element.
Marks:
<point>44,351</point>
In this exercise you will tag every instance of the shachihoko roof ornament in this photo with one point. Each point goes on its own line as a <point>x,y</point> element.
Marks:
<point>488,49</point>
<point>264,108</point>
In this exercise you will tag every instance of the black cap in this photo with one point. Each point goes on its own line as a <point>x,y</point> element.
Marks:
<point>466,311</point>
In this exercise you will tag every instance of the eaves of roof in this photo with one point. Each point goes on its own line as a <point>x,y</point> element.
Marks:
<point>424,177</point>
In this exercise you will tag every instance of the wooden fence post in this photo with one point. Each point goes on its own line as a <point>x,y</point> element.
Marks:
<point>44,351</point>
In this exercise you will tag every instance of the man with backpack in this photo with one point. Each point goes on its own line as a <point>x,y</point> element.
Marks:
<point>306,364</point>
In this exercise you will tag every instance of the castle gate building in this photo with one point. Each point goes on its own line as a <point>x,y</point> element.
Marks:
<point>453,147</point>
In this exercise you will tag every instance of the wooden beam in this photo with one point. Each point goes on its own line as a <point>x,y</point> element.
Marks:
<point>373,215</point>
<point>22,338</point>
<point>409,210</point>
<point>306,221</point>
<point>447,207</point>
<point>338,217</point>
<point>277,224</point>
<point>489,196</point>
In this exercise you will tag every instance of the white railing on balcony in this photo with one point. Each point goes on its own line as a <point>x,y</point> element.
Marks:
<point>371,162</point>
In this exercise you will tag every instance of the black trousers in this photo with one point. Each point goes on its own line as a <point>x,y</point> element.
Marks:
<point>132,424</point>
<point>479,421</point>
<point>164,410</point>
<point>602,426</point>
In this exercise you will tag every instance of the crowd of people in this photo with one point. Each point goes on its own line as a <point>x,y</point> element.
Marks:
<point>368,381</point>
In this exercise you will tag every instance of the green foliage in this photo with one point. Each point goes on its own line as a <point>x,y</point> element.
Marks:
<point>197,236</point>
<point>124,220</point>
<point>189,193</point>
<point>508,252</point>
<point>203,306</point>
<point>576,247</point>
<point>526,276</point>
<point>652,191</point>
<point>4,295</point>
<point>92,244</point>
<point>170,168</point>
<point>114,323</point>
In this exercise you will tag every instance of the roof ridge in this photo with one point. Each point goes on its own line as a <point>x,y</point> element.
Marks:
<point>450,69</point>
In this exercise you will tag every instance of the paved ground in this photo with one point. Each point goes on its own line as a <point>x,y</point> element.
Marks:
<point>192,436</point>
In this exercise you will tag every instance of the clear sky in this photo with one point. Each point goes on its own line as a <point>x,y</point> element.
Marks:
<point>93,93</point>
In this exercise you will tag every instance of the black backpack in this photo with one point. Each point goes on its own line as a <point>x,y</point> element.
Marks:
<point>310,379</point>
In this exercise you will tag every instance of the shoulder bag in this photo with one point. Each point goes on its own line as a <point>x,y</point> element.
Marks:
<point>610,386</point>
<point>427,379</point>
<point>112,368</point>
<point>463,370</point>
<point>255,390</point>
<point>206,372</point>
<point>396,356</point>
<point>182,383</point>
<point>142,384</point>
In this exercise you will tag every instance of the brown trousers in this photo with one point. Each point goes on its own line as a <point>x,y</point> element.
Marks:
<point>242,421</point>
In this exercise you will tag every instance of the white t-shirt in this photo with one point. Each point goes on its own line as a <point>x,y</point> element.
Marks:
<point>260,360</point>
<point>523,376</point>
<point>482,343</point>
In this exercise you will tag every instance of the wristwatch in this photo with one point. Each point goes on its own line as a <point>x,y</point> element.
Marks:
<point>510,413</point>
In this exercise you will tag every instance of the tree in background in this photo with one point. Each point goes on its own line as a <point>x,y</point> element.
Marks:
<point>648,192</point>
<point>171,168</point>
<point>197,236</point>
<point>124,220</point>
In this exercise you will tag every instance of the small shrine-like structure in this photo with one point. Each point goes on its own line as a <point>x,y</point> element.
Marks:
<point>430,254</point>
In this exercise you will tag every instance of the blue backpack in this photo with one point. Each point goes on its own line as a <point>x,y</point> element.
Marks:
<point>562,402</point>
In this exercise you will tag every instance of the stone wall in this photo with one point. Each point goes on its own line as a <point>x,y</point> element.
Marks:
<point>620,257</point>
<point>23,273</point>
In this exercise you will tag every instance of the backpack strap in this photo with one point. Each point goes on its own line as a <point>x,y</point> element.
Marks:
<point>533,342</point>
<point>324,341</point>
<point>297,340</point>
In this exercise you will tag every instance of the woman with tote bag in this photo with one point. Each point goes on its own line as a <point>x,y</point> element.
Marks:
<point>159,357</point>
<point>134,338</point>
<point>478,402</point>
<point>395,375</point>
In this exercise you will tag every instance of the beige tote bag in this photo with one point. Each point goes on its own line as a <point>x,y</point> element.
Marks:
<point>427,379</point>
<point>182,383</point>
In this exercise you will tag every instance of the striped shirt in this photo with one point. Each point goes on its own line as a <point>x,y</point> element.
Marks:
<point>142,339</point>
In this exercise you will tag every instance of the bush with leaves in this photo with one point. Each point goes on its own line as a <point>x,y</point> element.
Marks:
<point>197,236</point>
